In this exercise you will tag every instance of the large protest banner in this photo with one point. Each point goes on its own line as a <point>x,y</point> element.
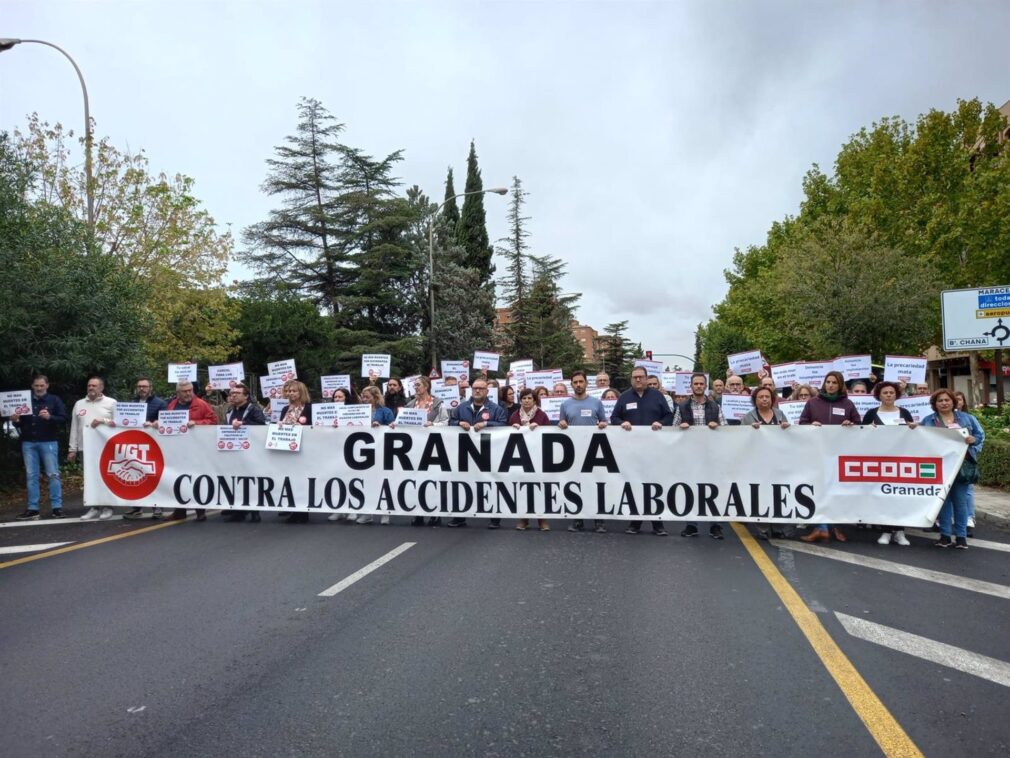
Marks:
<point>888,475</point>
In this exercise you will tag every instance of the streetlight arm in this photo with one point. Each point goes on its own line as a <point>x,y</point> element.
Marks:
<point>7,44</point>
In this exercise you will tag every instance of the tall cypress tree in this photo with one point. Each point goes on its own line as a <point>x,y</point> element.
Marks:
<point>471,232</point>
<point>448,222</point>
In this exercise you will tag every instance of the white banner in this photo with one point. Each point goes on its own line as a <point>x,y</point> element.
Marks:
<point>904,368</point>
<point>803,474</point>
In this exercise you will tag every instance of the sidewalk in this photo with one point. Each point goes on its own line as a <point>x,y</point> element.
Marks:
<point>992,506</point>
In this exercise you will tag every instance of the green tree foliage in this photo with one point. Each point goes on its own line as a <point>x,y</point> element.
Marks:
<point>471,231</point>
<point>449,219</point>
<point>616,353</point>
<point>69,312</point>
<point>547,314</point>
<point>515,284</point>
<point>159,231</point>
<point>910,209</point>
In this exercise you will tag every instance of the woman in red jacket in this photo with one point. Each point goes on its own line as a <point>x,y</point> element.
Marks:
<point>830,407</point>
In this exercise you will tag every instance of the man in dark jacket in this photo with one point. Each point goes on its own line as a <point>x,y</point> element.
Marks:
<point>144,393</point>
<point>39,446</point>
<point>642,406</point>
<point>476,414</point>
<point>700,410</point>
<point>242,412</point>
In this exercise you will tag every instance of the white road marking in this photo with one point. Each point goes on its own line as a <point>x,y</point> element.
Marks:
<point>13,549</point>
<point>972,542</point>
<point>991,669</point>
<point>361,573</point>
<point>927,575</point>
<point>55,521</point>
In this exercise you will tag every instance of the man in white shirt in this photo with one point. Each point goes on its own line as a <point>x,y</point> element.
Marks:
<point>94,409</point>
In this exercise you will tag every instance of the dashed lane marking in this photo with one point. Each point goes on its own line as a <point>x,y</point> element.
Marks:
<point>984,544</point>
<point>982,666</point>
<point>15,549</point>
<point>891,567</point>
<point>361,573</point>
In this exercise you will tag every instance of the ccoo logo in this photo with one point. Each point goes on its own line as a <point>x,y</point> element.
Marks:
<point>131,465</point>
<point>890,468</point>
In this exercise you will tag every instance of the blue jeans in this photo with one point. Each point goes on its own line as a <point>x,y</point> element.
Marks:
<point>971,501</point>
<point>49,455</point>
<point>955,508</point>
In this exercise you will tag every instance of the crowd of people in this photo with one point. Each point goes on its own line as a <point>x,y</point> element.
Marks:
<point>644,404</point>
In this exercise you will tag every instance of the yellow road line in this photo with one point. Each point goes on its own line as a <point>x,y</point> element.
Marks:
<point>91,543</point>
<point>883,727</point>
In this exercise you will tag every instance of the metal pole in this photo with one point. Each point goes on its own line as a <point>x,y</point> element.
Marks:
<point>89,179</point>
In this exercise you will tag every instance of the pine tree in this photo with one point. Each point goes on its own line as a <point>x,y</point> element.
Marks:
<point>548,314</point>
<point>515,284</point>
<point>617,353</point>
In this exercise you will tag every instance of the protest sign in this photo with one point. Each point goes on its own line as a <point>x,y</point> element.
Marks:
<point>484,361</point>
<point>749,362</point>
<point>332,382</point>
<point>411,417</point>
<point>271,387</point>
<point>286,438</point>
<point>904,368</point>
<point>853,366</point>
<point>864,403</point>
<point>792,409</point>
<point>130,415</point>
<point>376,365</point>
<point>652,368</point>
<point>232,440</point>
<point>181,372</point>
<point>552,407</point>
<point>226,376</point>
<point>171,423</point>
<point>812,373</point>
<point>458,369</point>
<point>326,414</point>
<point>354,415</point>
<point>917,405</point>
<point>16,403</point>
<point>735,407</point>
<point>285,369</point>
<point>784,374</point>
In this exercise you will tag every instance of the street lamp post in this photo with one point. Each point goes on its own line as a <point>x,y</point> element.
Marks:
<point>7,44</point>
<point>431,258</point>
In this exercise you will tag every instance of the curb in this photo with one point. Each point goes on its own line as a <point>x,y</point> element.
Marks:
<point>1001,520</point>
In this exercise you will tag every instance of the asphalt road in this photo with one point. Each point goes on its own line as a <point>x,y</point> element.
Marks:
<point>209,639</point>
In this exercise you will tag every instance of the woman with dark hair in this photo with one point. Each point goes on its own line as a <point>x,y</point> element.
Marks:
<point>832,407</point>
<point>395,398</point>
<point>508,400</point>
<point>765,412</point>
<point>961,404</point>
<point>529,415</point>
<point>889,414</point>
<point>345,396</point>
<point>610,394</point>
<point>297,411</point>
<point>955,507</point>
<point>540,392</point>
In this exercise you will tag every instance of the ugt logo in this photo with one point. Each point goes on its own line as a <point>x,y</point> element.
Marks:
<point>898,469</point>
<point>131,465</point>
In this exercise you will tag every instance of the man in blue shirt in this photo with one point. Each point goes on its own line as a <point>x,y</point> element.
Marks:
<point>642,406</point>
<point>583,410</point>
<point>477,413</point>
<point>39,446</point>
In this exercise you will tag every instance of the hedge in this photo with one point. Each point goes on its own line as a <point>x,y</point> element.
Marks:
<point>994,463</point>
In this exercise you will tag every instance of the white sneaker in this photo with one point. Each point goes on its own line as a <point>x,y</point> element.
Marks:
<point>335,517</point>
<point>384,520</point>
<point>971,522</point>
<point>901,539</point>
<point>91,514</point>
<point>885,539</point>
<point>365,519</point>
<point>105,515</point>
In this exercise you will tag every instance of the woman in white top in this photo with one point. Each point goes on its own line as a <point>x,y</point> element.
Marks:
<point>889,414</point>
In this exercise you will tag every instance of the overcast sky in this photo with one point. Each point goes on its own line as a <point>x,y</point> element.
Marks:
<point>653,138</point>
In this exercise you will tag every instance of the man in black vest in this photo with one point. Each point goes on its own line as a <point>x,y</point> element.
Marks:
<point>242,411</point>
<point>700,410</point>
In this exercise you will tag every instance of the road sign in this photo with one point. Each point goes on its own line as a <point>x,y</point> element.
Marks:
<point>976,319</point>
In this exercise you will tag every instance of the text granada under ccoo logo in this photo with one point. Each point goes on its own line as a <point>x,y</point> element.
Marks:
<point>131,465</point>
<point>890,468</point>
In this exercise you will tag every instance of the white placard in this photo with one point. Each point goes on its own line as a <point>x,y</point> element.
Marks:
<point>684,382</point>
<point>591,382</point>
<point>792,409</point>
<point>536,379</point>
<point>552,407</point>
<point>274,415</point>
<point>917,405</point>
<point>171,423</point>
<point>484,361</point>
<point>285,369</point>
<point>226,376</point>
<point>735,407</point>
<point>668,381</point>
<point>976,319</point>
<point>16,403</point>
<point>333,382</point>
<point>326,414</point>
<point>749,362</point>
<point>557,375</point>
<point>181,372</point>
<point>525,366</point>
<point>904,368</point>
<point>652,368</point>
<point>411,417</point>
<point>608,406</point>
<point>130,415</point>
<point>784,374</point>
<point>853,366</point>
<point>864,403</point>
<point>812,373</point>
<point>354,415</point>
<point>448,395</point>
<point>232,440</point>
<point>286,438</point>
<point>458,369</point>
<point>410,385</point>
<point>271,387</point>
<point>597,392</point>
<point>376,365</point>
